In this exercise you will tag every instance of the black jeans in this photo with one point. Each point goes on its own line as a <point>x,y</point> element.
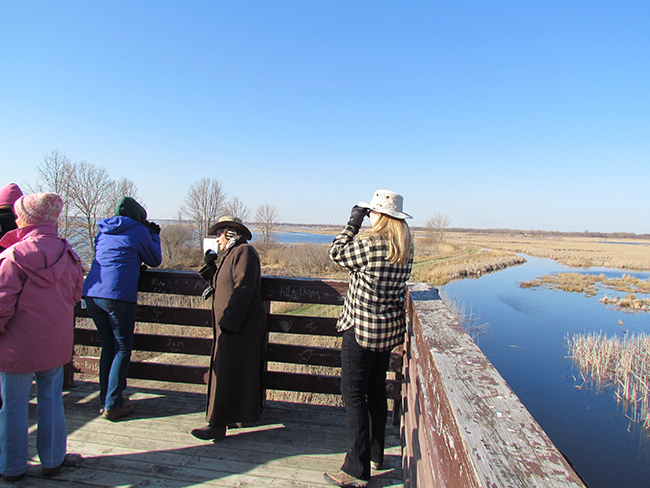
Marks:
<point>363,385</point>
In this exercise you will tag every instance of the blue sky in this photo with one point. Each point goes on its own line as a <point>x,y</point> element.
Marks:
<point>515,114</point>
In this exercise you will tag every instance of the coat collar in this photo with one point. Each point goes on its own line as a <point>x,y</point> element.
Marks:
<point>17,235</point>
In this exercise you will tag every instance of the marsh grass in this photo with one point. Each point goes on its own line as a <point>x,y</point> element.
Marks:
<point>299,260</point>
<point>622,364</point>
<point>470,322</point>
<point>458,262</point>
<point>435,263</point>
<point>590,285</point>
<point>628,303</point>
<point>582,252</point>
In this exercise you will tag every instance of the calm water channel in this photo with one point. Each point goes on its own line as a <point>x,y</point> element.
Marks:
<point>296,236</point>
<point>525,340</point>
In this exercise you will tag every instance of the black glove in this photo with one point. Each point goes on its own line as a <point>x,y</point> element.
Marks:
<point>210,257</point>
<point>155,228</point>
<point>356,216</point>
<point>143,268</point>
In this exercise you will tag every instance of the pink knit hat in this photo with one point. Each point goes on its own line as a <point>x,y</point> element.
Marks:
<point>38,207</point>
<point>9,194</point>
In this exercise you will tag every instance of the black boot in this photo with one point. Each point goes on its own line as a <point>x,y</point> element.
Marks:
<point>210,432</point>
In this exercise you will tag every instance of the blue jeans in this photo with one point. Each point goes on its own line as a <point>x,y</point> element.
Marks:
<point>363,385</point>
<point>115,322</point>
<point>52,433</point>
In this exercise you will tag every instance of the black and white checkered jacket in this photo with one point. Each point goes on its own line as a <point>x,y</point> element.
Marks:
<point>376,296</point>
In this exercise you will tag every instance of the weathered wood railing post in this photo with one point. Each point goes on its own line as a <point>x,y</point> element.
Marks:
<point>462,425</point>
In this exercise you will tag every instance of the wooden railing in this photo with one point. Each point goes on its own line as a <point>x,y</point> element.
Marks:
<point>274,289</point>
<point>461,425</point>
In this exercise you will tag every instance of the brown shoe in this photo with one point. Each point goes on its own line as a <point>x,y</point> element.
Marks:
<point>344,480</point>
<point>209,433</point>
<point>125,399</point>
<point>115,413</point>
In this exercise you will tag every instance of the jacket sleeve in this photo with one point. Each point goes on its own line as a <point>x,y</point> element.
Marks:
<point>150,253</point>
<point>348,252</point>
<point>11,284</point>
<point>245,270</point>
<point>79,285</point>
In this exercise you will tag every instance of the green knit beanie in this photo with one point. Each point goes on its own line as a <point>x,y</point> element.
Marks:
<point>128,207</point>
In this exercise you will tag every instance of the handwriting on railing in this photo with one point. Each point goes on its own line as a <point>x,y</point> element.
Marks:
<point>175,345</point>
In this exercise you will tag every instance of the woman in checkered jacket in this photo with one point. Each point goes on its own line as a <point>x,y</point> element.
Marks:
<point>373,321</point>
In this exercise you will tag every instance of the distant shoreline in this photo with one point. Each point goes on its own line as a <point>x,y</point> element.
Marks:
<point>335,229</point>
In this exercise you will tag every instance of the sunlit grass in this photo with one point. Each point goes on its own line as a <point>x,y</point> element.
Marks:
<point>461,263</point>
<point>583,252</point>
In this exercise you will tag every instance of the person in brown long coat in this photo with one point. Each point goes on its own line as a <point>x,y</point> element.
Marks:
<point>235,386</point>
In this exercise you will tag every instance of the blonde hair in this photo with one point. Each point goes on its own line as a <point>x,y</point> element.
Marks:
<point>398,235</point>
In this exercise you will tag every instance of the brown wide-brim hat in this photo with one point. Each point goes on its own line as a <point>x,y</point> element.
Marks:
<point>230,221</point>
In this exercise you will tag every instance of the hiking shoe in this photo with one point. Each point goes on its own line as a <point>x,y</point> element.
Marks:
<point>115,413</point>
<point>49,472</point>
<point>343,479</point>
<point>209,433</point>
<point>11,478</point>
<point>72,459</point>
<point>125,399</point>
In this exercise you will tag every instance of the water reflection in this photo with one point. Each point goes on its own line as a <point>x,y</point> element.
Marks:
<point>287,237</point>
<point>526,343</point>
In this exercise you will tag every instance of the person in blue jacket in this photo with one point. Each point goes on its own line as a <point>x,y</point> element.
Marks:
<point>123,243</point>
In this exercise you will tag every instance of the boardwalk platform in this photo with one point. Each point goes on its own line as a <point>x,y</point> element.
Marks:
<point>291,447</point>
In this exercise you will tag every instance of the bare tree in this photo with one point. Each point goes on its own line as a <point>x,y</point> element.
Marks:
<point>119,189</point>
<point>88,194</point>
<point>267,218</point>
<point>56,174</point>
<point>177,244</point>
<point>91,188</point>
<point>237,208</point>
<point>437,226</point>
<point>203,204</point>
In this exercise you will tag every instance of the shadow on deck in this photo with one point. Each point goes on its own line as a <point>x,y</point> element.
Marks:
<point>291,447</point>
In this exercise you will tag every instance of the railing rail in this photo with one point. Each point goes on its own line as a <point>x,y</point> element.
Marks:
<point>277,289</point>
<point>462,425</point>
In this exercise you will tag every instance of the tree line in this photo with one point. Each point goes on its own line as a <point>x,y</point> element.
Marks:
<point>90,194</point>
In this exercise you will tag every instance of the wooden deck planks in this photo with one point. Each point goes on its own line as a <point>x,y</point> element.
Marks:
<point>291,447</point>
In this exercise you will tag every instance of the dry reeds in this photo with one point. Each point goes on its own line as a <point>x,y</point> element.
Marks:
<point>463,263</point>
<point>572,282</point>
<point>584,252</point>
<point>628,303</point>
<point>302,260</point>
<point>471,323</point>
<point>623,364</point>
<point>590,285</point>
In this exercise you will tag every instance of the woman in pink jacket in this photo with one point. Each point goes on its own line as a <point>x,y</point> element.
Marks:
<point>41,279</point>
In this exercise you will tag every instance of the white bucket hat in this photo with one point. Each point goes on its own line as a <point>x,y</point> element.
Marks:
<point>387,202</point>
